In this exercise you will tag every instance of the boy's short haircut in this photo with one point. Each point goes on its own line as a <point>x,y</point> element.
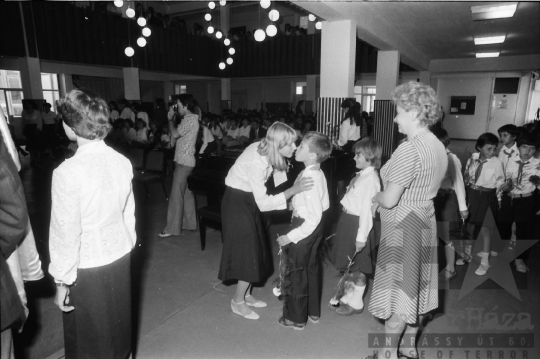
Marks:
<point>486,139</point>
<point>371,150</point>
<point>511,129</point>
<point>529,139</point>
<point>442,135</point>
<point>319,144</point>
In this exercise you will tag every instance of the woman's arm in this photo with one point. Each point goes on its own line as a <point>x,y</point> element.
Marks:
<point>344,132</point>
<point>390,197</point>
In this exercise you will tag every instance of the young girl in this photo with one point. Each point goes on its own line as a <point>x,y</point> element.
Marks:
<point>141,135</point>
<point>232,134</point>
<point>209,144</point>
<point>246,256</point>
<point>354,226</point>
<point>483,177</point>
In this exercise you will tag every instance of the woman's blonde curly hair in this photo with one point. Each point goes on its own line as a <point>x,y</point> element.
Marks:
<point>422,98</point>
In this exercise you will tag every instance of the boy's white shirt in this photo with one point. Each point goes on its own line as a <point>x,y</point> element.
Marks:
<point>506,154</point>
<point>310,204</point>
<point>357,200</point>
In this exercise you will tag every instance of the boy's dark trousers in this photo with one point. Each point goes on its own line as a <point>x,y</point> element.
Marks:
<point>521,211</point>
<point>304,296</point>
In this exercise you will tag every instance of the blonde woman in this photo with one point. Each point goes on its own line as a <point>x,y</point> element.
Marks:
<point>246,254</point>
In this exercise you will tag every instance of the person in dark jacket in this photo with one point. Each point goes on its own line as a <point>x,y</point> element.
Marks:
<point>13,221</point>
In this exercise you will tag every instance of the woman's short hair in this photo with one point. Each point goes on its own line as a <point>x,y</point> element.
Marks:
<point>86,113</point>
<point>442,135</point>
<point>186,100</point>
<point>486,139</point>
<point>278,136</point>
<point>371,150</point>
<point>422,98</point>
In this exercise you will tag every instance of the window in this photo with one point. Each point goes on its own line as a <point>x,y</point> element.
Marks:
<point>51,93</point>
<point>300,87</point>
<point>368,98</point>
<point>179,89</point>
<point>11,94</point>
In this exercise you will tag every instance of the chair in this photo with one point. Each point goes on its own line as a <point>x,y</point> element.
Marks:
<point>154,171</point>
<point>209,215</point>
<point>136,157</point>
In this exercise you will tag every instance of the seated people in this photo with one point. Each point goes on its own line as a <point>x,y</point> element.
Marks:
<point>232,134</point>
<point>244,131</point>
<point>257,132</point>
<point>141,131</point>
<point>209,145</point>
<point>131,134</point>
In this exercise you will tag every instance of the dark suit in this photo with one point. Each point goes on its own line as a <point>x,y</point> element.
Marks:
<point>13,222</point>
<point>257,134</point>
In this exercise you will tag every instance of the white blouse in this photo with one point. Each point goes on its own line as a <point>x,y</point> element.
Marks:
<point>357,200</point>
<point>454,180</point>
<point>492,175</point>
<point>348,132</point>
<point>244,131</point>
<point>310,205</point>
<point>249,174</point>
<point>93,211</point>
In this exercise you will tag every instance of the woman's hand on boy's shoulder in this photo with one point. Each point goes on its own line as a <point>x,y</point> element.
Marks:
<point>283,240</point>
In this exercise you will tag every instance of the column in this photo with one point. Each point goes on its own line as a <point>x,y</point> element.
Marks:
<point>66,83</point>
<point>31,78</point>
<point>225,94</point>
<point>311,93</point>
<point>338,51</point>
<point>132,89</point>
<point>384,128</point>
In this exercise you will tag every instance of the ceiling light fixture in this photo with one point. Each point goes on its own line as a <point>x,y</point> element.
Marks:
<point>273,15</point>
<point>141,41</point>
<point>146,31</point>
<point>129,51</point>
<point>223,2</point>
<point>208,17</point>
<point>496,11</point>
<point>130,13</point>
<point>141,21</point>
<point>211,5</point>
<point>318,25</point>
<point>265,4</point>
<point>260,35</point>
<point>227,42</point>
<point>232,51</point>
<point>221,65</point>
<point>311,17</point>
<point>219,34</point>
<point>489,40</point>
<point>229,60</point>
<point>487,54</point>
<point>118,3</point>
<point>210,29</point>
<point>271,30</point>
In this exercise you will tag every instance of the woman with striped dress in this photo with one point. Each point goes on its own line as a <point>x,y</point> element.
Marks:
<point>406,274</point>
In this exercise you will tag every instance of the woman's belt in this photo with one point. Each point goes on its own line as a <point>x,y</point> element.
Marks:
<point>482,189</point>
<point>444,191</point>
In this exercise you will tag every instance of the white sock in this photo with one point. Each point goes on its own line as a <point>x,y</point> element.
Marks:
<point>485,258</point>
<point>357,301</point>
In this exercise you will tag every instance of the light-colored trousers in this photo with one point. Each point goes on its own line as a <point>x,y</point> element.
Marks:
<point>181,213</point>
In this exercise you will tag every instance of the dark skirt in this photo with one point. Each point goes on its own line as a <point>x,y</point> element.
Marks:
<point>246,252</point>
<point>344,246</point>
<point>211,147</point>
<point>479,203</point>
<point>30,132</point>
<point>100,325</point>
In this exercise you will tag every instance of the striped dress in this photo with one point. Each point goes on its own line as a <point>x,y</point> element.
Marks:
<point>407,270</point>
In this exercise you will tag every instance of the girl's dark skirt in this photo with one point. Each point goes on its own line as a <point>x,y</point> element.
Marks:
<point>346,168</point>
<point>344,246</point>
<point>479,204</point>
<point>246,252</point>
<point>100,325</point>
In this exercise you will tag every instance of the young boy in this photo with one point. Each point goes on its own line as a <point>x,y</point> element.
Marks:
<point>508,134</point>
<point>484,178</point>
<point>518,197</point>
<point>301,243</point>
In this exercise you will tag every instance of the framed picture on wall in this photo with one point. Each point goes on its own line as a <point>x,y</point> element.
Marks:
<point>462,105</point>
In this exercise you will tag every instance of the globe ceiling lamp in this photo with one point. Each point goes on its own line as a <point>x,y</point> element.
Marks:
<point>227,42</point>
<point>219,34</point>
<point>141,21</point>
<point>223,2</point>
<point>221,65</point>
<point>130,13</point>
<point>212,5</point>
<point>311,17</point>
<point>260,35</point>
<point>273,15</point>
<point>146,31</point>
<point>129,51</point>
<point>271,30</point>
<point>265,4</point>
<point>118,3</point>
<point>318,25</point>
<point>229,60</point>
<point>232,51</point>
<point>141,41</point>
<point>208,17</point>
<point>210,29</point>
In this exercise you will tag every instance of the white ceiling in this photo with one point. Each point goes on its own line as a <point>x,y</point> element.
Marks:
<point>427,30</point>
